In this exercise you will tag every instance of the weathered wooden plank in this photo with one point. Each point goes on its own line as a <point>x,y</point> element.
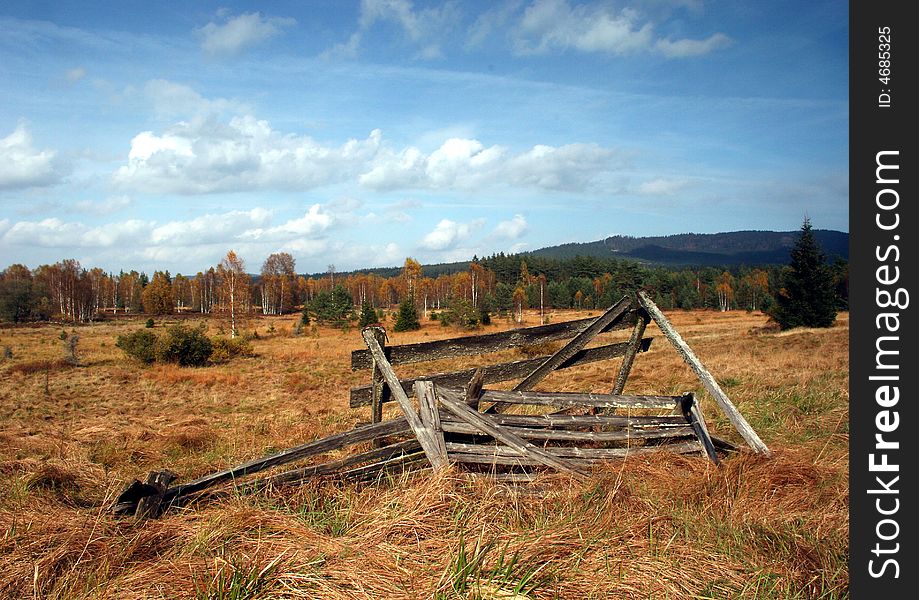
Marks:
<point>425,436</point>
<point>583,465</point>
<point>629,433</point>
<point>480,344</point>
<point>573,399</point>
<point>320,446</point>
<point>573,452</point>
<point>430,416</point>
<point>474,388</point>
<point>612,315</point>
<point>727,407</point>
<point>629,357</point>
<point>385,466</point>
<point>690,410</point>
<point>488,427</point>
<point>336,466</point>
<point>150,506</point>
<point>378,389</point>
<point>558,420</point>
<point>361,395</point>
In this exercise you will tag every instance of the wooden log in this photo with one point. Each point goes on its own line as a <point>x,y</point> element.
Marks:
<point>572,399</point>
<point>430,416</point>
<point>613,314</point>
<point>572,452</point>
<point>489,427</point>
<point>578,421</point>
<point>320,446</point>
<point>625,435</point>
<point>150,506</point>
<point>425,436</point>
<point>474,388</point>
<point>727,407</point>
<point>480,344</point>
<point>333,467</point>
<point>690,410</point>
<point>629,357</point>
<point>361,395</point>
<point>378,389</point>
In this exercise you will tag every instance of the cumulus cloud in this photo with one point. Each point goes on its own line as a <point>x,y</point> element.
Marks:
<point>205,156</point>
<point>103,207</point>
<point>447,234</point>
<point>54,233</point>
<point>235,34</point>
<point>210,228</point>
<point>513,228</point>
<point>556,25</point>
<point>314,221</point>
<point>171,99</point>
<point>22,165</point>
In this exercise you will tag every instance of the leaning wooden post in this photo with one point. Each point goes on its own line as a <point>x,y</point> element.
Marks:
<point>633,348</point>
<point>151,506</point>
<point>727,407</point>
<point>377,385</point>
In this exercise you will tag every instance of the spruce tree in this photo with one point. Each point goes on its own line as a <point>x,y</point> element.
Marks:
<point>808,296</point>
<point>408,316</point>
<point>368,315</point>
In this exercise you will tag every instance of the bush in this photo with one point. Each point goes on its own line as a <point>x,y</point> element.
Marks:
<point>185,346</point>
<point>408,316</point>
<point>334,307</point>
<point>226,348</point>
<point>462,314</point>
<point>139,345</point>
<point>149,324</point>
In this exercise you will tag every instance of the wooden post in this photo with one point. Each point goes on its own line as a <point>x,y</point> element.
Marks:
<point>427,409</point>
<point>629,357</point>
<point>378,389</point>
<point>690,410</point>
<point>425,436</point>
<point>727,407</point>
<point>150,506</point>
<point>474,388</point>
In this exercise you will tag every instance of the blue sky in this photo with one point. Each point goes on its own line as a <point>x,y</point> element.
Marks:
<point>160,135</point>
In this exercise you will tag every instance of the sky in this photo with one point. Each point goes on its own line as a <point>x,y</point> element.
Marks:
<point>160,135</point>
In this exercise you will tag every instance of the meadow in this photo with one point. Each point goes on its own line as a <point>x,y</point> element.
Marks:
<point>659,526</point>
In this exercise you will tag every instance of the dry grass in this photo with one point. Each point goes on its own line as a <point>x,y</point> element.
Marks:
<point>648,527</point>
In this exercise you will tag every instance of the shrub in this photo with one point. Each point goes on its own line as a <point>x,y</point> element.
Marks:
<point>139,345</point>
<point>183,345</point>
<point>408,316</point>
<point>149,324</point>
<point>462,314</point>
<point>333,307</point>
<point>226,348</point>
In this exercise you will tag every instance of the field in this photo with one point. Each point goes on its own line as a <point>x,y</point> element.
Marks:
<point>649,527</point>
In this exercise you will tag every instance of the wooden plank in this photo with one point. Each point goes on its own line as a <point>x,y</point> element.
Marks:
<point>425,436</point>
<point>385,466</point>
<point>690,410</point>
<point>558,420</point>
<point>629,357</point>
<point>573,399</point>
<point>582,465</point>
<point>480,344</point>
<point>612,315</point>
<point>474,388</point>
<point>488,427</point>
<point>492,450</point>
<point>727,407</point>
<point>320,446</point>
<point>361,395</point>
<point>624,435</point>
<point>149,507</point>
<point>430,416</point>
<point>332,467</point>
<point>378,389</point>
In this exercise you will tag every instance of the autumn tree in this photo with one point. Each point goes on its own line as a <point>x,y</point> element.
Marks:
<point>724,287</point>
<point>277,283</point>
<point>411,272</point>
<point>158,296</point>
<point>234,290</point>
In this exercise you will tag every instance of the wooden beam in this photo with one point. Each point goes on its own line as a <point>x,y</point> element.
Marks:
<point>425,436</point>
<point>479,344</point>
<point>333,467</point>
<point>489,427</point>
<point>633,349</point>
<point>624,435</point>
<point>361,395</point>
<point>378,390</point>
<point>150,506</point>
<point>430,417</point>
<point>557,420</point>
<point>563,452</point>
<point>561,399</point>
<point>474,388</point>
<point>708,381</point>
<point>320,446</point>
<point>690,410</point>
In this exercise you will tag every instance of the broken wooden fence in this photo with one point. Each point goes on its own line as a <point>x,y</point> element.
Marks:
<point>459,422</point>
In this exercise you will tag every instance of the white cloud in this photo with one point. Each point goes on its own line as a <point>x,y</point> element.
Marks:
<point>54,233</point>
<point>210,228</point>
<point>240,32</point>
<point>447,234</point>
<point>205,156</point>
<point>663,187</point>
<point>687,48</point>
<point>22,165</point>
<point>171,99</point>
<point>314,221</point>
<point>103,207</point>
<point>555,24</point>
<point>490,21</point>
<point>513,228</point>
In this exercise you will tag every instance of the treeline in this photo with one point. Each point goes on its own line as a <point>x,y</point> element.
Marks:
<point>502,283</point>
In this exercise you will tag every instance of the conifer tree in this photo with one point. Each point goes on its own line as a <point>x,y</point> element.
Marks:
<point>408,316</point>
<point>368,315</point>
<point>807,297</point>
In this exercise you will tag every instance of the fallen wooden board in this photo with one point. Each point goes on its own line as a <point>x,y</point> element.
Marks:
<point>333,467</point>
<point>571,399</point>
<point>573,452</point>
<point>361,395</point>
<point>480,344</point>
<point>578,420</point>
<point>578,436</point>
